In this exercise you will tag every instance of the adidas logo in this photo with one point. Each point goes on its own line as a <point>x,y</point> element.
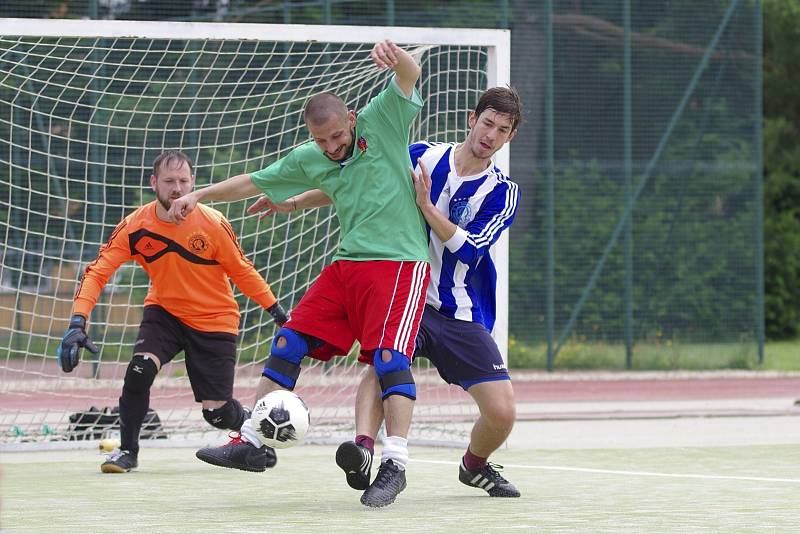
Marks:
<point>365,463</point>
<point>482,482</point>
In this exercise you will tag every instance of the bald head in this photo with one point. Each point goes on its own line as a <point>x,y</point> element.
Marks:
<point>322,107</point>
<point>331,125</point>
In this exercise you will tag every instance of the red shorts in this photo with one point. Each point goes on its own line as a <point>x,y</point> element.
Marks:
<point>379,303</point>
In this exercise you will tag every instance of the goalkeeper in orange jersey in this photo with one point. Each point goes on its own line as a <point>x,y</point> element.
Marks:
<point>189,307</point>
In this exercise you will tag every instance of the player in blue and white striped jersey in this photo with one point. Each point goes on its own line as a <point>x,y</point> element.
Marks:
<point>467,202</point>
<point>479,206</point>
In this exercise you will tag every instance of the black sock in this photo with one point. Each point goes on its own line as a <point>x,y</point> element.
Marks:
<point>132,410</point>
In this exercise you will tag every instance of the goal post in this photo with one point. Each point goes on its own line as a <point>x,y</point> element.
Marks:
<point>85,105</point>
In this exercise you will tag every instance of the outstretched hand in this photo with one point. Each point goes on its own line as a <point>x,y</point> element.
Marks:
<point>265,204</point>
<point>385,54</point>
<point>181,208</point>
<point>422,185</point>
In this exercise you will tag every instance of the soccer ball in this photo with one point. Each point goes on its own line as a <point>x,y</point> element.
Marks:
<point>281,419</point>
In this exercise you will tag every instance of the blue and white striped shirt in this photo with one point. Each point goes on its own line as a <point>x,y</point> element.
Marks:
<point>463,276</point>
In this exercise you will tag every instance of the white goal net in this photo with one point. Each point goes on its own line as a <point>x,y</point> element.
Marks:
<point>85,106</point>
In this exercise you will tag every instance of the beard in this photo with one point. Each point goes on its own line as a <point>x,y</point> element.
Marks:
<point>165,202</point>
<point>348,150</point>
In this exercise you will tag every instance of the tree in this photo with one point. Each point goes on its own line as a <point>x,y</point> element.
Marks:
<point>782,167</point>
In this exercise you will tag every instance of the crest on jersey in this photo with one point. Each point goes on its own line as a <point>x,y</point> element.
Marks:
<point>198,242</point>
<point>362,144</point>
<point>460,212</point>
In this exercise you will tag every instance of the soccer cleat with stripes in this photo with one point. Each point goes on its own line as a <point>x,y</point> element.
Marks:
<point>356,462</point>
<point>239,454</point>
<point>119,461</point>
<point>487,478</point>
<point>388,483</point>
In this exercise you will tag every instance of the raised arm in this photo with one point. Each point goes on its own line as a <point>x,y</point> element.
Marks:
<point>234,188</point>
<point>387,55</point>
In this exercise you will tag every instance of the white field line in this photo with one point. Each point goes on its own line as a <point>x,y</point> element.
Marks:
<point>627,473</point>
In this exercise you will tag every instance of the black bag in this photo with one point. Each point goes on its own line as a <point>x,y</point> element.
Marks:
<point>96,423</point>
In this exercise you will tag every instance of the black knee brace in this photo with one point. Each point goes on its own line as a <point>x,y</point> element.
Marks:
<point>229,416</point>
<point>140,374</point>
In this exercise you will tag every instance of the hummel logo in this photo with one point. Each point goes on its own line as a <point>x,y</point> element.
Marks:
<point>149,245</point>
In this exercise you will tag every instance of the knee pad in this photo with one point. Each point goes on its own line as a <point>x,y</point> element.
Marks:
<point>283,364</point>
<point>140,374</point>
<point>395,375</point>
<point>229,416</point>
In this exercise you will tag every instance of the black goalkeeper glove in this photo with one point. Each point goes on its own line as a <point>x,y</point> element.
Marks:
<point>278,314</point>
<point>74,339</point>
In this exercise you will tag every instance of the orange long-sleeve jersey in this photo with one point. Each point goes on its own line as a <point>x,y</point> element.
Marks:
<point>189,268</point>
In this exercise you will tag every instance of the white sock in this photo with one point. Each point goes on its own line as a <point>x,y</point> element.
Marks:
<point>395,449</point>
<point>249,434</point>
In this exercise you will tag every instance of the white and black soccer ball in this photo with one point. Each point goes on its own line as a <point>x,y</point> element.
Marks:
<point>281,419</point>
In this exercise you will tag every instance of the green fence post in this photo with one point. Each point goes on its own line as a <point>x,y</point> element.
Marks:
<point>759,182</point>
<point>549,118</point>
<point>628,166</point>
<point>390,13</point>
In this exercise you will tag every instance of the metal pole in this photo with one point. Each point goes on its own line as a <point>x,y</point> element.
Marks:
<point>390,13</point>
<point>628,156</point>
<point>759,181</point>
<point>549,95</point>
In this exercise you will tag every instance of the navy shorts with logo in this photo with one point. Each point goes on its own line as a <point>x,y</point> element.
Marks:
<point>464,352</point>
<point>210,356</point>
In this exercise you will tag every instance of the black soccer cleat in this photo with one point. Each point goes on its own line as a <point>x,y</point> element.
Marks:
<point>239,454</point>
<point>487,478</point>
<point>119,461</point>
<point>388,483</point>
<point>356,462</point>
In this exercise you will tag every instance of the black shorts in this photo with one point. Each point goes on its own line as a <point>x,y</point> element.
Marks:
<point>210,356</point>
<point>463,352</point>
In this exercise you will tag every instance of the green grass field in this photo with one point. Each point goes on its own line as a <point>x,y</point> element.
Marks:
<point>681,489</point>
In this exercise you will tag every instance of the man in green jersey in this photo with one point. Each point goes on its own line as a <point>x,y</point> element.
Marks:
<point>374,291</point>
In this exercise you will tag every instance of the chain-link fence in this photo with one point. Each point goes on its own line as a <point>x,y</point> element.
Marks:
<point>638,242</point>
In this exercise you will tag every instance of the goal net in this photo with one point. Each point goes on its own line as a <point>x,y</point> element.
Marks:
<point>85,106</point>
